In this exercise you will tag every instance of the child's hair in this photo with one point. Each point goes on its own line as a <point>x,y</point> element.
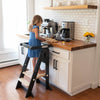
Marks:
<point>36,19</point>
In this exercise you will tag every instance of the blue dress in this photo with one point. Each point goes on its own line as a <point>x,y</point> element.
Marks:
<point>34,42</point>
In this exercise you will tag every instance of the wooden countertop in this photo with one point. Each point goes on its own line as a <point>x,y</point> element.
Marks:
<point>72,45</point>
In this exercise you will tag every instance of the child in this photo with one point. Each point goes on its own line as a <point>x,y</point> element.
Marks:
<point>35,39</point>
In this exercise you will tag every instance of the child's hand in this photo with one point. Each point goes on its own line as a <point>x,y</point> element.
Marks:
<point>43,39</point>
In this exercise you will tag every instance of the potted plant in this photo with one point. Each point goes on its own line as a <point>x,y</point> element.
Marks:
<point>88,36</point>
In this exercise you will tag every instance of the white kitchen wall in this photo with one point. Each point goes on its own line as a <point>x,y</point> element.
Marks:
<point>85,19</point>
<point>97,59</point>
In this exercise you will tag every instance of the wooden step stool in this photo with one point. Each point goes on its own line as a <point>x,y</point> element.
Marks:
<point>43,57</point>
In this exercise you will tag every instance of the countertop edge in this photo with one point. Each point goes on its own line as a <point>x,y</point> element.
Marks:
<point>88,45</point>
<point>84,47</point>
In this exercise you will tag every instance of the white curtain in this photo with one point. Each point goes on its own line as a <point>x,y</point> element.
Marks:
<point>14,15</point>
<point>14,21</point>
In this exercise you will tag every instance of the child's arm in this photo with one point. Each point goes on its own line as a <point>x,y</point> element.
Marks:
<point>35,30</point>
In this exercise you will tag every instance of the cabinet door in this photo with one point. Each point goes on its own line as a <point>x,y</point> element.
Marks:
<point>53,73</point>
<point>63,74</point>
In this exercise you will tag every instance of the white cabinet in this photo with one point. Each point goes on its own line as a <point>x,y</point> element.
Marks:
<point>71,71</point>
<point>58,69</point>
<point>63,74</point>
<point>52,70</point>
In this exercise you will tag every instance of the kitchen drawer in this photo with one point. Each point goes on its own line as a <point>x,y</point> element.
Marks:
<point>60,52</point>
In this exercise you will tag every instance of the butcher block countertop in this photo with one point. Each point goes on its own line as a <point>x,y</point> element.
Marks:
<point>71,46</point>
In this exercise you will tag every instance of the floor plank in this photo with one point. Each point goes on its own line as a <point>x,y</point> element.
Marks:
<point>9,77</point>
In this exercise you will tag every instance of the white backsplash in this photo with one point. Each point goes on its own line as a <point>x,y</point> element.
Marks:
<point>85,19</point>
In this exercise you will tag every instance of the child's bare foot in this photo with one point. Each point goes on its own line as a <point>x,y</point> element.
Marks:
<point>41,71</point>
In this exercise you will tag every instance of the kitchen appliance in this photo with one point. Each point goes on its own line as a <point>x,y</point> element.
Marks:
<point>49,27</point>
<point>71,26</point>
<point>63,35</point>
<point>66,33</point>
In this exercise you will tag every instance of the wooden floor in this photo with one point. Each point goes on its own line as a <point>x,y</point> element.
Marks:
<point>8,80</point>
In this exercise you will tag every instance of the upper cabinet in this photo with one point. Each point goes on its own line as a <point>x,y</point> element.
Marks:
<point>72,7</point>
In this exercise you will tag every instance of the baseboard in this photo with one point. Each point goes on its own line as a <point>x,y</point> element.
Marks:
<point>76,90</point>
<point>7,64</point>
<point>7,55</point>
<point>79,89</point>
<point>99,83</point>
<point>95,85</point>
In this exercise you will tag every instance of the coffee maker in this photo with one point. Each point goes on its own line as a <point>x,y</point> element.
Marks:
<point>71,26</point>
<point>66,33</point>
<point>49,27</point>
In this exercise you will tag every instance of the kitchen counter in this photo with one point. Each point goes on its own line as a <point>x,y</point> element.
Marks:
<point>71,66</point>
<point>71,46</point>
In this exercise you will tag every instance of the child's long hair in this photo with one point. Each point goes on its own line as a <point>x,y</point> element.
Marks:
<point>36,19</point>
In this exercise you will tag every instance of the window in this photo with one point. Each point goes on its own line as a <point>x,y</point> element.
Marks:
<point>14,21</point>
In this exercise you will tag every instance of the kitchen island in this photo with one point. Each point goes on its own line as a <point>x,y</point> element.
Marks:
<point>71,64</point>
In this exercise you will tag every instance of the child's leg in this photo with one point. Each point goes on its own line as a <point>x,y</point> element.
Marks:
<point>40,71</point>
<point>39,68</point>
<point>34,63</point>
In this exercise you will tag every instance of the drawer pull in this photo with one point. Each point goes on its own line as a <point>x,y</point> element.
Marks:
<point>53,63</point>
<point>56,65</point>
<point>56,52</point>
